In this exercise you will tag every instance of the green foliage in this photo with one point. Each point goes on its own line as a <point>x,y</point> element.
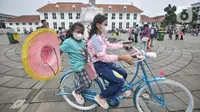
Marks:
<point>170,16</point>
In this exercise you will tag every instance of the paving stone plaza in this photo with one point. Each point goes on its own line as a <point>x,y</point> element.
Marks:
<point>179,60</point>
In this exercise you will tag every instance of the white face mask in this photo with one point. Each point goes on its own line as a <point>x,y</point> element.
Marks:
<point>78,36</point>
<point>104,29</point>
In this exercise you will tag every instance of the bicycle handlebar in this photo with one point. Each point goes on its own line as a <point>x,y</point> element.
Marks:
<point>140,55</point>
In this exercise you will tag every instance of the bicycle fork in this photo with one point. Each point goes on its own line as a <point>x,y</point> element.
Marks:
<point>161,100</point>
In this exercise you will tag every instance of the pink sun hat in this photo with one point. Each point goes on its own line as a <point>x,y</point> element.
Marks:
<point>41,54</point>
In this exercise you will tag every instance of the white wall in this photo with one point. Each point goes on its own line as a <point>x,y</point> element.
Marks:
<point>124,20</point>
<point>198,18</point>
<point>21,26</point>
<point>197,6</point>
<point>67,20</point>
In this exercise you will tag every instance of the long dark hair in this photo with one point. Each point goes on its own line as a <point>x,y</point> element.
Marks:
<point>97,19</point>
<point>72,28</point>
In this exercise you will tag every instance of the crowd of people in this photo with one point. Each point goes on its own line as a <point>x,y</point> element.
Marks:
<point>195,31</point>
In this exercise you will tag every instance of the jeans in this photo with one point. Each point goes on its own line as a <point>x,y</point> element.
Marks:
<point>144,45</point>
<point>114,74</point>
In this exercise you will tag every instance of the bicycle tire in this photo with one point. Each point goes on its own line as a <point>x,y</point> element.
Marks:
<point>170,82</point>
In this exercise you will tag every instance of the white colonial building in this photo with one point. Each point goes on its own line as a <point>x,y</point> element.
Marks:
<point>196,6</point>
<point>22,24</point>
<point>64,14</point>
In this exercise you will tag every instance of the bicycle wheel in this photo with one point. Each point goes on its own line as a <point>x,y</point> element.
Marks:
<point>176,97</point>
<point>68,84</point>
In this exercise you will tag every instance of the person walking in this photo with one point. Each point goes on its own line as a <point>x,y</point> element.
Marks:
<point>152,35</point>
<point>170,34</point>
<point>177,34</point>
<point>182,34</point>
<point>130,32</point>
<point>136,32</point>
<point>44,24</point>
<point>145,37</point>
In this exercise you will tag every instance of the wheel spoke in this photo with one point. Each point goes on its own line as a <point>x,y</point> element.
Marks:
<point>68,84</point>
<point>168,91</point>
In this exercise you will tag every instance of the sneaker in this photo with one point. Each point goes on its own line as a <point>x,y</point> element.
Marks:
<point>126,94</point>
<point>102,102</point>
<point>78,97</point>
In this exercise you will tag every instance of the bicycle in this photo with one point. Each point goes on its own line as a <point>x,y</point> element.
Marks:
<point>150,94</point>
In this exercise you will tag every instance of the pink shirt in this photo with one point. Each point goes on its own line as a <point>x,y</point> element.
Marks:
<point>97,47</point>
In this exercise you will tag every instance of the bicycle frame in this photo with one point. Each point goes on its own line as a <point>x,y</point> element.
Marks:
<point>89,94</point>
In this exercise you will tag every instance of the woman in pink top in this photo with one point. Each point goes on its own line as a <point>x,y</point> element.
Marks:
<point>182,34</point>
<point>103,62</point>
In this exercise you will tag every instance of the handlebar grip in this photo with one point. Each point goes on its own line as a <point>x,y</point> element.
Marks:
<point>134,56</point>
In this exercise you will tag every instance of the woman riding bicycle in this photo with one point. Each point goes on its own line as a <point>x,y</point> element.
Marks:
<point>111,72</point>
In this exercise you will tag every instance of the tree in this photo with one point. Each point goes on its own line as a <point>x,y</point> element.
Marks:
<point>170,16</point>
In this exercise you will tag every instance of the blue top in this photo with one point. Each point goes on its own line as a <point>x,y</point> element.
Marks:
<point>76,52</point>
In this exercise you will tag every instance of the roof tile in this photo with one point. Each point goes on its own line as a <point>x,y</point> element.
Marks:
<point>26,18</point>
<point>68,7</point>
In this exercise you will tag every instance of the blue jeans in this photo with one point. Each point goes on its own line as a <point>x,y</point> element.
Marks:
<point>107,71</point>
<point>144,45</point>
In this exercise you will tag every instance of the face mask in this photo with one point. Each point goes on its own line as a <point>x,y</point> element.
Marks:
<point>104,29</point>
<point>78,36</point>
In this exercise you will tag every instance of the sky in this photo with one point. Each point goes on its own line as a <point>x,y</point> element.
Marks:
<point>150,7</point>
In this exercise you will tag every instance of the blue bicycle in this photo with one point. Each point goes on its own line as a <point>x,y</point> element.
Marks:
<point>155,94</point>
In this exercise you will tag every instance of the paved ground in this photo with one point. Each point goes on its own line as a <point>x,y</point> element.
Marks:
<point>180,60</point>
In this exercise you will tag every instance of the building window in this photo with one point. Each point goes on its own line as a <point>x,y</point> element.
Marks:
<point>36,23</point>
<point>106,15</point>
<point>18,29</point>
<point>24,28</point>
<point>135,16</point>
<point>31,29</point>
<point>10,24</point>
<point>54,25</point>
<point>120,25</point>
<point>134,24</point>
<point>70,16</point>
<point>70,24</point>
<point>54,15</point>
<point>45,15</point>
<point>30,23</point>
<point>62,15</point>
<point>113,25</point>
<point>127,25</point>
<point>23,23</point>
<point>113,15</point>
<point>73,7</point>
<point>17,24</point>
<point>125,8</point>
<point>127,16</point>
<point>78,16</point>
<point>63,25</point>
<point>120,16</point>
<point>110,8</point>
